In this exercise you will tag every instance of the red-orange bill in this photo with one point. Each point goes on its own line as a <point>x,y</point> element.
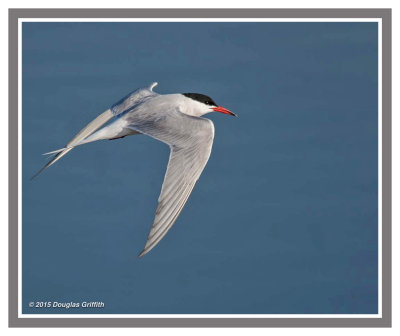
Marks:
<point>224,110</point>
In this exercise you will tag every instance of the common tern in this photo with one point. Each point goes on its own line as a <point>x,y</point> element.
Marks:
<point>174,119</point>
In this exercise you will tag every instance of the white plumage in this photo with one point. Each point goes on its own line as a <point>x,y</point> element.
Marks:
<point>174,119</point>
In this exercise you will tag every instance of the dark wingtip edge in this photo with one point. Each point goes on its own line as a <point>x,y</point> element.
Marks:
<point>38,173</point>
<point>141,254</point>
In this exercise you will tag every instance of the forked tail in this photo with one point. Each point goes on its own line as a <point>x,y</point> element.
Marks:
<point>84,133</point>
<point>57,157</point>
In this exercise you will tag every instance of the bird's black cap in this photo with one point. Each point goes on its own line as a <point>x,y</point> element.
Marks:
<point>201,98</point>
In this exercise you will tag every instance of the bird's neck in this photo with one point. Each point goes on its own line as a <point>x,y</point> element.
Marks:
<point>193,108</point>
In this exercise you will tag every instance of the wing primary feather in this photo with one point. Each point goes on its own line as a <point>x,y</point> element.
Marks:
<point>190,140</point>
<point>149,247</point>
<point>165,213</point>
<point>90,128</point>
<point>52,161</point>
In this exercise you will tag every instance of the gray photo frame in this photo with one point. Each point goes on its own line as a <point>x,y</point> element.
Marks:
<point>34,321</point>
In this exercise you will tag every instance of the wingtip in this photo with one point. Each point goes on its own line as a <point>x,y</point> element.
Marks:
<point>141,254</point>
<point>146,249</point>
<point>153,85</point>
<point>35,175</point>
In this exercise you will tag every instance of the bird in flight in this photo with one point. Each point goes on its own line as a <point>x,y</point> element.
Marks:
<point>174,119</point>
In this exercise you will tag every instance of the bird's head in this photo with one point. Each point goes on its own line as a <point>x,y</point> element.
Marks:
<point>199,104</point>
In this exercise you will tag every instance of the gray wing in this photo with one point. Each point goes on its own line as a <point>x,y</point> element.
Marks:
<point>190,140</point>
<point>134,99</point>
<point>127,103</point>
